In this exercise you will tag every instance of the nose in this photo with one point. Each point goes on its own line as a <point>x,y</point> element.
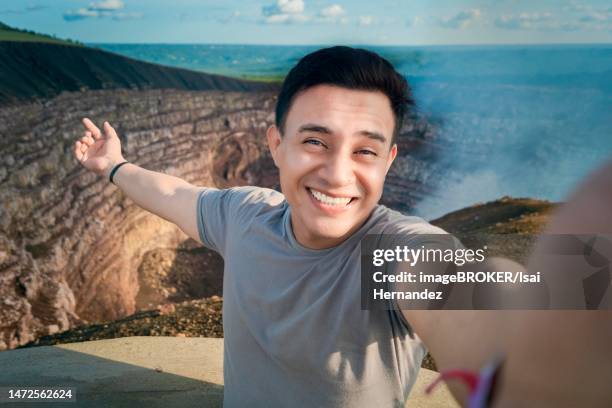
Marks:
<point>338,170</point>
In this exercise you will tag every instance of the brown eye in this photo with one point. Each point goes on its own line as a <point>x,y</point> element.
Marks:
<point>367,152</point>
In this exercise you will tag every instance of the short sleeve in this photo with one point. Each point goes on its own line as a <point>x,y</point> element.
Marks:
<point>224,212</point>
<point>214,211</point>
<point>418,234</point>
<point>436,241</point>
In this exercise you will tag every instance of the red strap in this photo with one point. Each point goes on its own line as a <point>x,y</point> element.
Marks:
<point>468,377</point>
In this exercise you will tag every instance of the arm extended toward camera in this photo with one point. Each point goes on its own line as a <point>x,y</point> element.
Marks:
<point>556,358</point>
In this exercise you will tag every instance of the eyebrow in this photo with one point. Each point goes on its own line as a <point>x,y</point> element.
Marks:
<point>311,127</point>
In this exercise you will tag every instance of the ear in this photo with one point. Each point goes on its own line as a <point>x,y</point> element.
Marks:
<point>392,155</point>
<point>274,141</point>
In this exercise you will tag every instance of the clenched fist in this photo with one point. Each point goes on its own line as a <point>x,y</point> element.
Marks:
<point>96,151</point>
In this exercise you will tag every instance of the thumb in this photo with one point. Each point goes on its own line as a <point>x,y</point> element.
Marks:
<point>109,131</point>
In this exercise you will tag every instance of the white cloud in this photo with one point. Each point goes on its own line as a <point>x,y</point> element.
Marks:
<point>461,20</point>
<point>292,11</point>
<point>291,6</point>
<point>333,11</point>
<point>524,21</point>
<point>277,18</point>
<point>80,14</point>
<point>588,17</point>
<point>286,18</point>
<point>597,16</point>
<point>545,21</point>
<point>107,5</point>
<point>332,14</point>
<point>283,7</point>
<point>577,7</point>
<point>101,9</point>
<point>284,11</point>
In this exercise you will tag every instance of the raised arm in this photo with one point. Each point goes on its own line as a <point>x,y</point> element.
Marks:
<point>169,197</point>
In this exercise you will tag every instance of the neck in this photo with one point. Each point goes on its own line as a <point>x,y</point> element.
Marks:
<point>317,242</point>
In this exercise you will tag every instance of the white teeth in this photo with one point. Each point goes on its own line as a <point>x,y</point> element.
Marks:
<point>325,199</point>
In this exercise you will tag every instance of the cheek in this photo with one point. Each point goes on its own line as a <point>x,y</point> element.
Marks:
<point>297,164</point>
<point>293,167</point>
<point>300,158</point>
<point>372,181</point>
<point>372,189</point>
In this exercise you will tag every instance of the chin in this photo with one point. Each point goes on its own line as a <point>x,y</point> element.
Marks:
<point>329,233</point>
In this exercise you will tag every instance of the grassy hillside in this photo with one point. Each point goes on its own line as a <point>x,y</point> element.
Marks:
<point>36,70</point>
<point>36,66</point>
<point>8,33</point>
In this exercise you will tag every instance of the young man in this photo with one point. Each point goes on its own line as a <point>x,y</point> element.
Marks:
<point>295,333</point>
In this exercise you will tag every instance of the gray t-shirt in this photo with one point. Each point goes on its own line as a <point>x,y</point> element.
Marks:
<point>295,333</point>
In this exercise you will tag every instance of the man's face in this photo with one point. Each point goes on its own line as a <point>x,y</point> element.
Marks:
<point>332,160</point>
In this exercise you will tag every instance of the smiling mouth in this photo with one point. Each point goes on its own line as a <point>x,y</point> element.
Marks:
<point>327,200</point>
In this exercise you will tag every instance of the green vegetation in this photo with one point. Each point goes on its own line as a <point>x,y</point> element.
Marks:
<point>262,78</point>
<point>8,33</point>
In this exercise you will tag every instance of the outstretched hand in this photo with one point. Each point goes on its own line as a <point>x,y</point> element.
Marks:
<point>98,151</point>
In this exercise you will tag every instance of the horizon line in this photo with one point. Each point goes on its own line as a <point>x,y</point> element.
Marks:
<point>362,44</point>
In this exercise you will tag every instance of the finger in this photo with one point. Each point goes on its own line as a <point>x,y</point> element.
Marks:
<point>85,141</point>
<point>96,136</point>
<point>90,139</point>
<point>80,150</point>
<point>89,125</point>
<point>77,150</point>
<point>109,130</point>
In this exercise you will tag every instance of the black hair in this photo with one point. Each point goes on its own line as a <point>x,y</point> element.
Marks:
<point>352,68</point>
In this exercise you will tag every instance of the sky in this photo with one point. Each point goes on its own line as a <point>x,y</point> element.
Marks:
<point>317,22</point>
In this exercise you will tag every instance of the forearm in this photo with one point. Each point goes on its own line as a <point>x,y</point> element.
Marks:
<point>150,190</point>
<point>166,196</point>
<point>550,358</point>
<point>559,359</point>
<point>466,340</point>
<point>589,209</point>
<point>565,356</point>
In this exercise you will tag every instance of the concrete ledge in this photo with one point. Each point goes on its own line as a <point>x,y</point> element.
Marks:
<point>145,371</point>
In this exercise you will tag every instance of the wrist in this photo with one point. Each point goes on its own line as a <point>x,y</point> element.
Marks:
<point>483,385</point>
<point>109,169</point>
